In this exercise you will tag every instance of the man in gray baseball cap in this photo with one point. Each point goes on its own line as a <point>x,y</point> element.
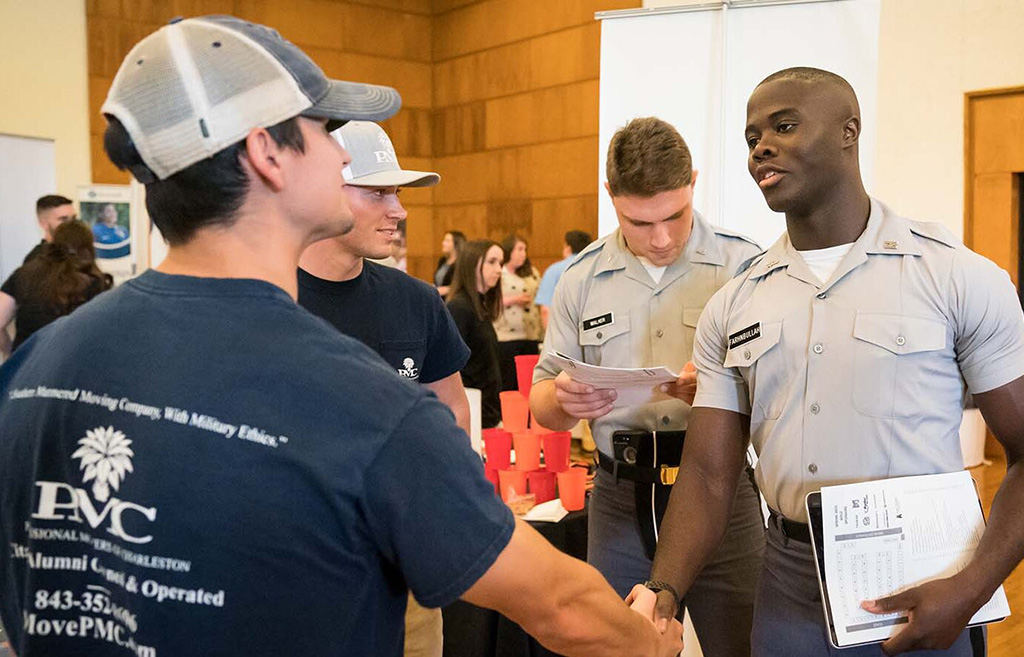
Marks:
<point>194,465</point>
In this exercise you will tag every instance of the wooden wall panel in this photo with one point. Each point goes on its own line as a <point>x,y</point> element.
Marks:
<point>412,79</point>
<point>995,209</point>
<point>560,58</point>
<point>552,114</point>
<point>485,25</point>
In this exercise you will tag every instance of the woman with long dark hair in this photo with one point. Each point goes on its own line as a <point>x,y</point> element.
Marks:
<point>475,302</point>
<point>451,246</point>
<point>61,278</point>
<point>519,328</point>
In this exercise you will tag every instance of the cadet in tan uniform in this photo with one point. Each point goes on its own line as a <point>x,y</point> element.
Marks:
<point>844,352</point>
<point>632,299</point>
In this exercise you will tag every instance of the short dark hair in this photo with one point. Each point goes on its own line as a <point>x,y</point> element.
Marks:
<point>51,201</point>
<point>810,74</point>
<point>208,193</point>
<point>577,240</point>
<point>507,245</point>
<point>488,305</point>
<point>647,157</point>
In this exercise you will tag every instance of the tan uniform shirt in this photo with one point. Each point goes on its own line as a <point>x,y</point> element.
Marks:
<point>862,376</point>
<point>608,311</point>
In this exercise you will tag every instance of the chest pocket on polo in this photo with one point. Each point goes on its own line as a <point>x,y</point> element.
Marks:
<point>892,356</point>
<point>607,345</point>
<point>762,363</point>
<point>405,356</point>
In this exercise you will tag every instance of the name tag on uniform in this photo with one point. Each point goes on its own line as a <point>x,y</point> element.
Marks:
<point>598,322</point>
<point>743,336</point>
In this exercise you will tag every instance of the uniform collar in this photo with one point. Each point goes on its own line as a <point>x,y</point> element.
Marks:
<point>701,247</point>
<point>885,234</point>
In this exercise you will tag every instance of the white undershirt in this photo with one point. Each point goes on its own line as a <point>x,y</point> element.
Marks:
<point>653,271</point>
<point>824,262</point>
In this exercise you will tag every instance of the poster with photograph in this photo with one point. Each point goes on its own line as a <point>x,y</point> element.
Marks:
<point>107,209</point>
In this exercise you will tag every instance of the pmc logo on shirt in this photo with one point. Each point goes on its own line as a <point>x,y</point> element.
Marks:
<point>409,369</point>
<point>106,459</point>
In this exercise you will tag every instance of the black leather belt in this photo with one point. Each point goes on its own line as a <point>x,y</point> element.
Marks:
<point>797,531</point>
<point>665,474</point>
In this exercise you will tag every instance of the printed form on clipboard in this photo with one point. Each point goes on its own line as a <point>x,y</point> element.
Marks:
<point>634,385</point>
<point>883,537</point>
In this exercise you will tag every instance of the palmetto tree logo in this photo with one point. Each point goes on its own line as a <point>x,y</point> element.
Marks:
<point>106,458</point>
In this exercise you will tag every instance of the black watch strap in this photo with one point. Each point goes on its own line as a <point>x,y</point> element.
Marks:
<point>658,586</point>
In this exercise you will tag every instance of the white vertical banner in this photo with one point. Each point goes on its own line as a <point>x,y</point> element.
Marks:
<point>28,170</point>
<point>701,66</point>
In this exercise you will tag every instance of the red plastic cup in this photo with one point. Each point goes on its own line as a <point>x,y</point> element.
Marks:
<point>542,485</point>
<point>572,488</point>
<point>557,447</point>
<point>497,447</point>
<point>512,483</point>
<point>492,476</point>
<point>527,446</point>
<point>524,372</point>
<point>515,411</point>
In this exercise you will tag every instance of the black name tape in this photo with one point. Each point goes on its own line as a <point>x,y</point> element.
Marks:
<point>743,336</point>
<point>597,322</point>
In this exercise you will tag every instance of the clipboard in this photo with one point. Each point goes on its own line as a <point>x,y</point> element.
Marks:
<point>815,521</point>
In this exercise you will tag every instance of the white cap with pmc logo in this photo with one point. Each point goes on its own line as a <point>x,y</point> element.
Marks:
<point>197,86</point>
<point>374,163</point>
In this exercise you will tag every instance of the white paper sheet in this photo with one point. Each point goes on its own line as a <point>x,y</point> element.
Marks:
<point>550,511</point>
<point>635,386</point>
<point>883,537</point>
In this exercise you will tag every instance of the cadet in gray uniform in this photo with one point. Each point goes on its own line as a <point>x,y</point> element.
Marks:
<point>845,352</point>
<point>632,299</point>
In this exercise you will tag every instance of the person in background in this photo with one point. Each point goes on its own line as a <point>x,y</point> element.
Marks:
<point>518,328</point>
<point>575,241</point>
<point>475,303</point>
<point>401,318</point>
<point>60,278</point>
<point>51,211</point>
<point>451,246</point>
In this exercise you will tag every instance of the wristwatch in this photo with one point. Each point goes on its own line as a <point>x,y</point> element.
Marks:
<point>657,586</point>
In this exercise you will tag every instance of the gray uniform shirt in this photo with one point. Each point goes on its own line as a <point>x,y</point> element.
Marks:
<point>862,376</point>
<point>608,311</point>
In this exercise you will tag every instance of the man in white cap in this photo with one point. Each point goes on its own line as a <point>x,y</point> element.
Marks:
<point>194,465</point>
<point>401,318</point>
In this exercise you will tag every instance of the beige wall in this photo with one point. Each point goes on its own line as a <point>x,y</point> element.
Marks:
<point>931,53</point>
<point>44,83</point>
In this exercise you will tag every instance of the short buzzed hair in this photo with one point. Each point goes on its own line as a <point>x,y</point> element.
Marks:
<point>51,201</point>
<point>810,74</point>
<point>648,157</point>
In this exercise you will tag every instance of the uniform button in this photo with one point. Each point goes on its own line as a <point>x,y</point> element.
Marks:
<point>659,333</point>
<point>900,340</point>
<point>819,348</point>
<point>823,295</point>
<point>665,420</point>
<point>746,354</point>
<point>815,408</point>
<point>600,335</point>
<point>812,468</point>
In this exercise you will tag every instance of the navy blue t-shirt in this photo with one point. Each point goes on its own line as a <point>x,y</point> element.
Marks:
<point>401,318</point>
<point>196,466</point>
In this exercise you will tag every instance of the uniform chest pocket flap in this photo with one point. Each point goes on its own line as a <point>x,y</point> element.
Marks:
<point>748,353</point>
<point>598,336</point>
<point>891,362</point>
<point>899,334</point>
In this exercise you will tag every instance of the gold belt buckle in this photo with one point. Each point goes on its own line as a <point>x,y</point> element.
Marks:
<point>669,474</point>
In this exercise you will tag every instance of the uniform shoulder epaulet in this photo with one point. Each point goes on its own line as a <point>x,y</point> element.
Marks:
<point>934,231</point>
<point>750,262</point>
<point>592,249</point>
<point>725,232</point>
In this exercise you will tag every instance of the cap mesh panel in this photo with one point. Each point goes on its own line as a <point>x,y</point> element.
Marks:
<point>153,89</point>
<point>227,70</point>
